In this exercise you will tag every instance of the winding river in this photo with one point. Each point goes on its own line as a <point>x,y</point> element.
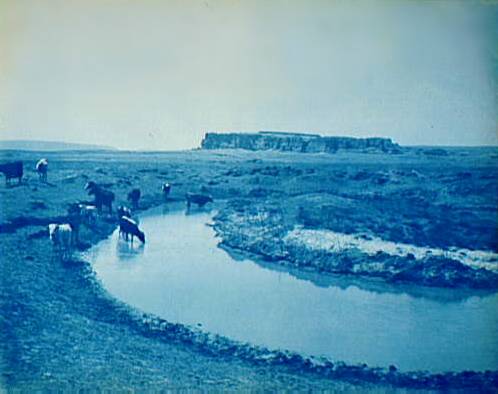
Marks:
<point>181,275</point>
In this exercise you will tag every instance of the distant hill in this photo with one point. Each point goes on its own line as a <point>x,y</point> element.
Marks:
<point>49,145</point>
<point>296,142</point>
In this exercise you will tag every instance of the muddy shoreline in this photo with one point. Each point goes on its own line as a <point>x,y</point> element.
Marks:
<point>62,330</point>
<point>265,234</point>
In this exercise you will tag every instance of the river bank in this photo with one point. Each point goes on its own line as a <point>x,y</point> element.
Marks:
<point>266,231</point>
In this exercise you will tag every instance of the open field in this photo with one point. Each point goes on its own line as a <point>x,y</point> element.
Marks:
<point>436,215</point>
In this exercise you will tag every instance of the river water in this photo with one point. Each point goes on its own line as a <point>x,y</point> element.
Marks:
<point>181,275</point>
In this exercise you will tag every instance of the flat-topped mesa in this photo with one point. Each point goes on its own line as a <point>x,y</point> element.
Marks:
<point>296,142</point>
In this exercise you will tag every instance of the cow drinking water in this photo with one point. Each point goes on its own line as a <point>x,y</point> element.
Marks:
<point>127,227</point>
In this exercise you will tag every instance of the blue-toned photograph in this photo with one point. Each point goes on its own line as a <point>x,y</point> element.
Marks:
<point>248,196</point>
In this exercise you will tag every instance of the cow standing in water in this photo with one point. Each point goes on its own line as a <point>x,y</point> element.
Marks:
<point>42,169</point>
<point>134,197</point>
<point>102,196</point>
<point>199,199</point>
<point>12,170</point>
<point>128,227</point>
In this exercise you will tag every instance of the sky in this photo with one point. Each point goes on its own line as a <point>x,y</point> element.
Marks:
<point>157,75</point>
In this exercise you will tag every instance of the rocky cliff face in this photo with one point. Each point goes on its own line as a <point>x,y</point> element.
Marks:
<point>295,142</point>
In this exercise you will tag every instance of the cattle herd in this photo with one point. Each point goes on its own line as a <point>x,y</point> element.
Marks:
<point>65,235</point>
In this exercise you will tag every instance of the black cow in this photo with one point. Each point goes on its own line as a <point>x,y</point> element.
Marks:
<point>127,227</point>
<point>166,189</point>
<point>133,197</point>
<point>199,199</point>
<point>102,196</point>
<point>12,170</point>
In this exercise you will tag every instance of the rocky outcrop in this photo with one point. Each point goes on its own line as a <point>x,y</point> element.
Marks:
<point>296,142</point>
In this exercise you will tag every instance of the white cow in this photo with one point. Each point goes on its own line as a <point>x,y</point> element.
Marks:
<point>61,236</point>
<point>42,169</point>
<point>88,213</point>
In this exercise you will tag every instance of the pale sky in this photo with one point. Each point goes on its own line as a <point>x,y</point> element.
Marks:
<point>154,74</point>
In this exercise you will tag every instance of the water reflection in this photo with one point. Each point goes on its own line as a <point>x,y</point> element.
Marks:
<point>165,209</point>
<point>197,211</point>
<point>375,285</point>
<point>127,250</point>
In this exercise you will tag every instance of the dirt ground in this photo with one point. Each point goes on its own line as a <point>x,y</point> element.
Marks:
<point>60,330</point>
